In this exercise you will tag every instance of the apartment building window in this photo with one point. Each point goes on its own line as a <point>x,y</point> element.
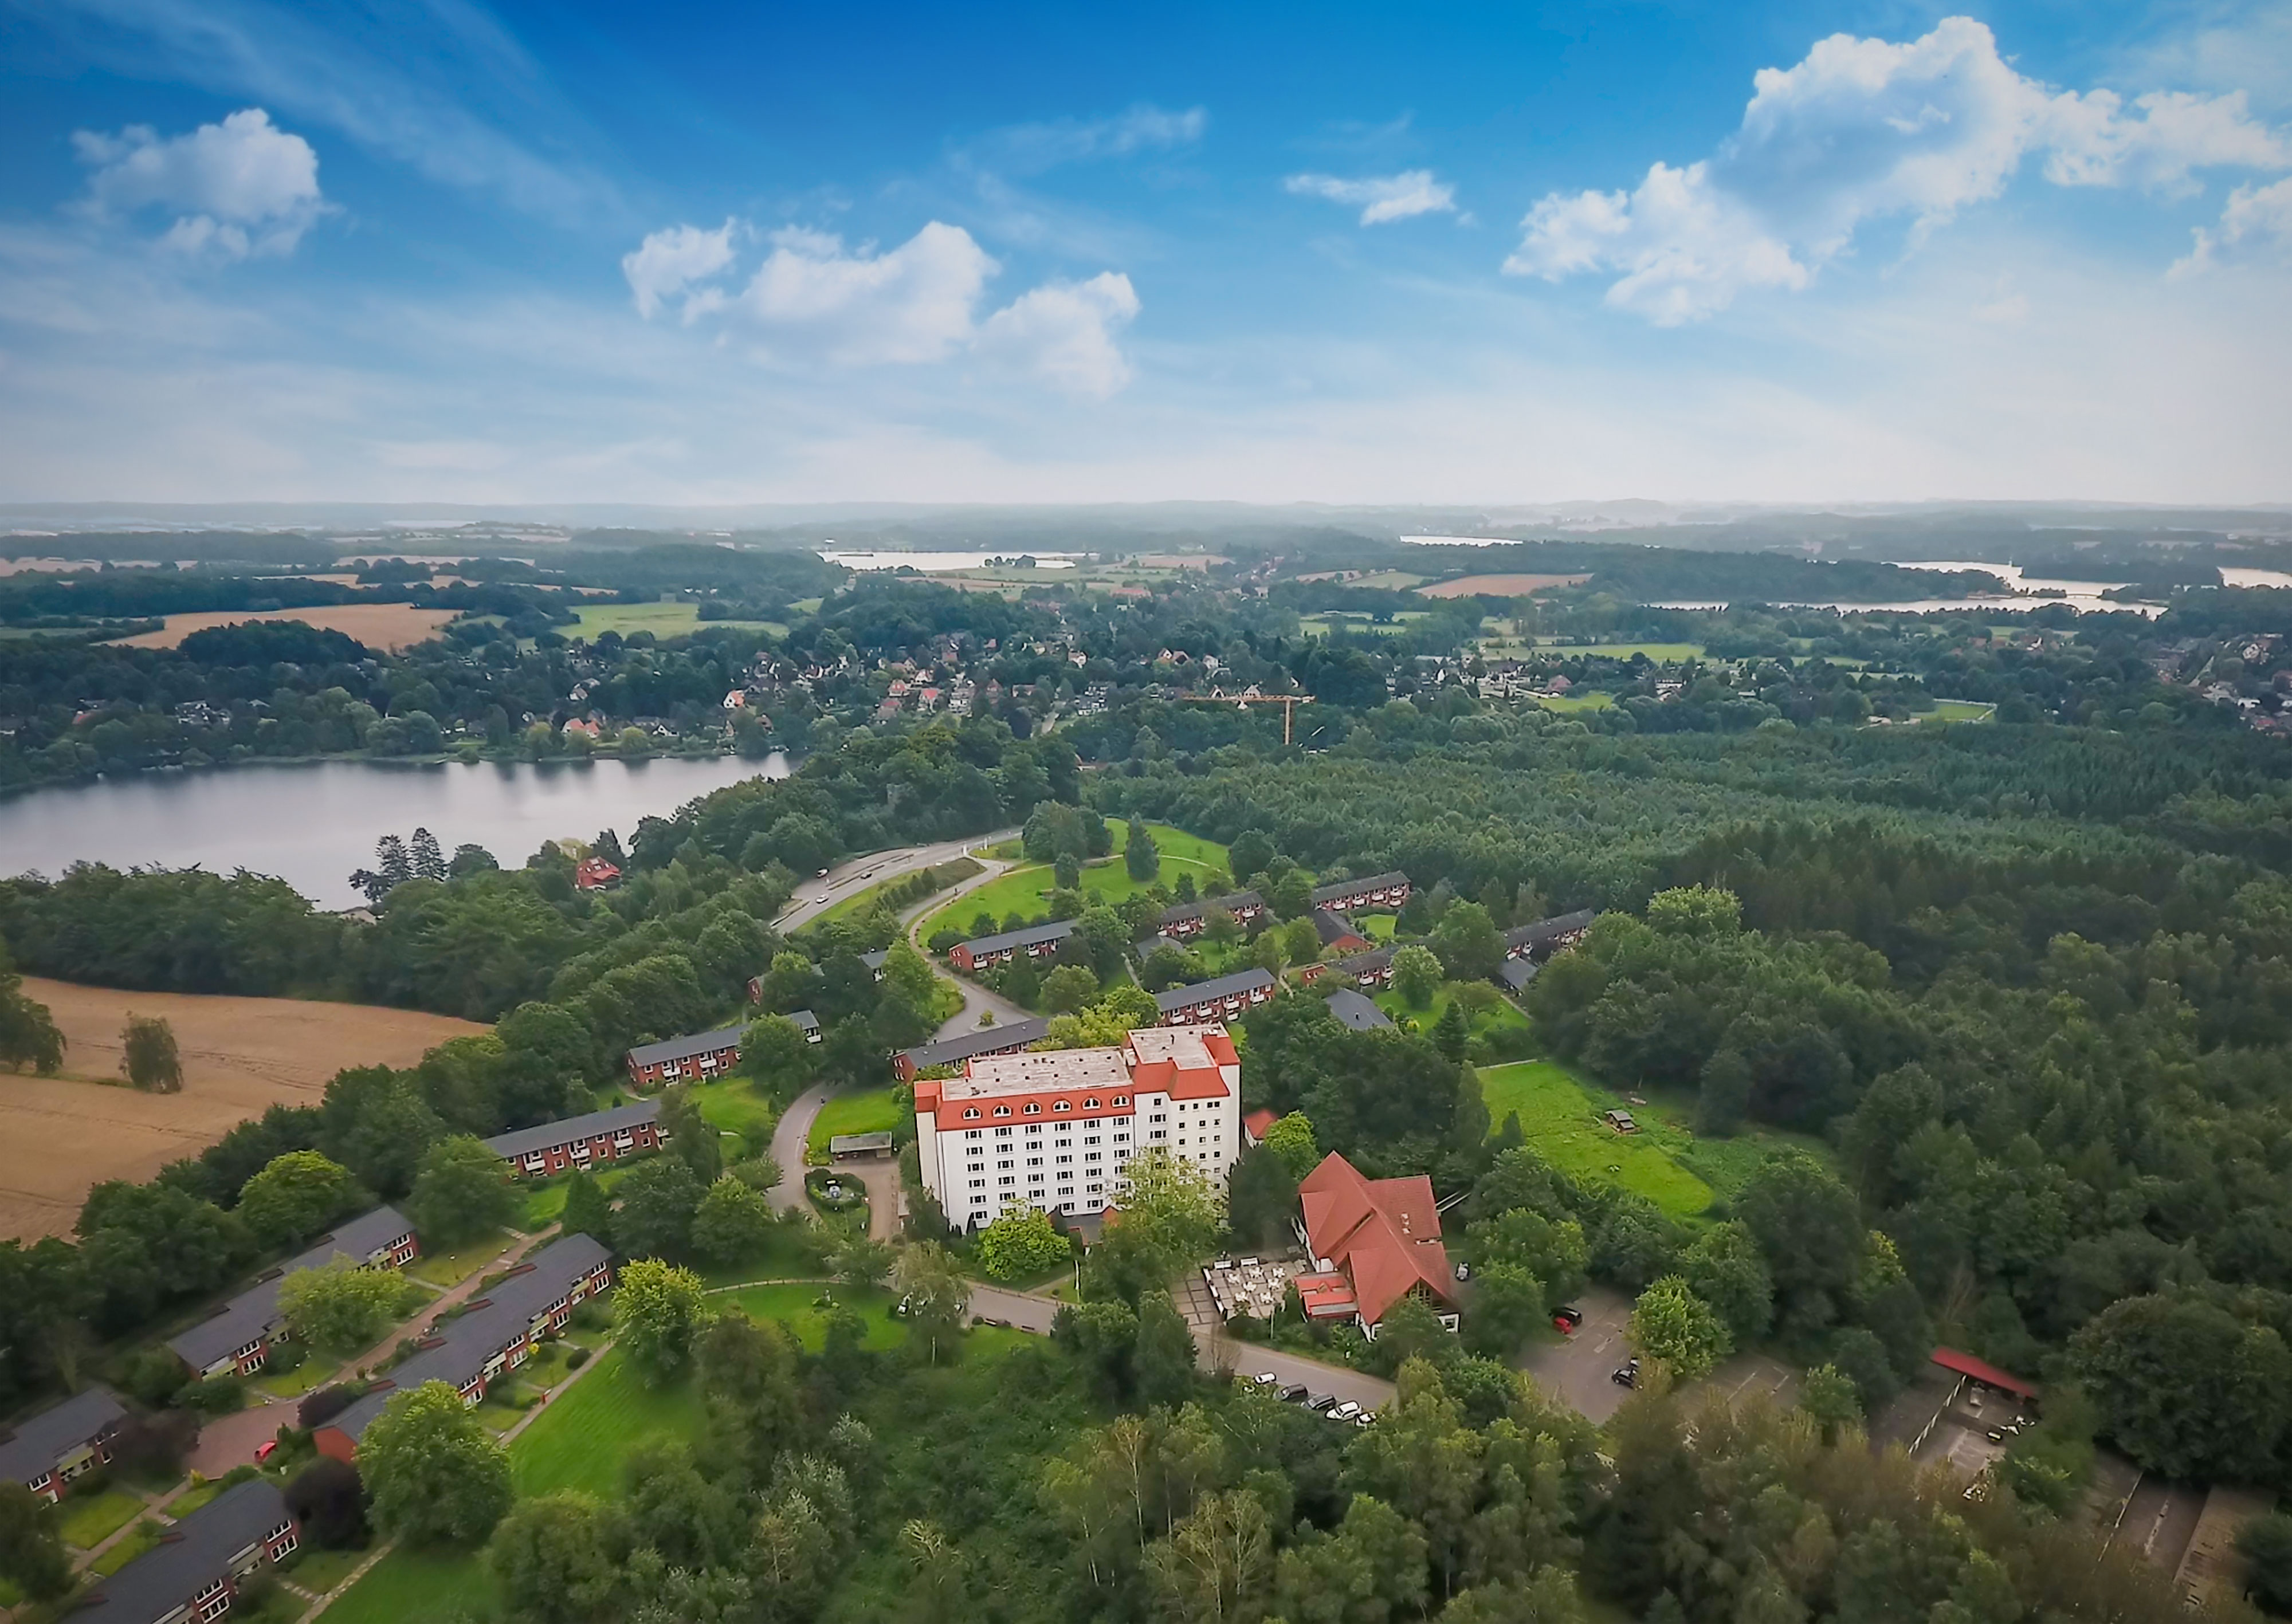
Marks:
<point>978,1184</point>
<point>1034,1162</point>
<point>1007,1179</point>
<point>1004,1164</point>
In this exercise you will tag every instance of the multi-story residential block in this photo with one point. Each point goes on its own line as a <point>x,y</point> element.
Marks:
<point>1054,1130</point>
<point>1546,937</point>
<point>497,1332</point>
<point>1007,1039</point>
<point>201,1559</point>
<point>237,1338</point>
<point>580,1141</point>
<point>699,1057</point>
<point>986,951</point>
<point>46,1452</point>
<point>1190,919</point>
<point>1222,998</point>
<point>1378,894</point>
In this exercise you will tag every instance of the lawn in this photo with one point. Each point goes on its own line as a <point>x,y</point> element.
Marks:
<point>1500,1015</point>
<point>867,1111</point>
<point>307,1377</point>
<point>950,872</point>
<point>192,1499</point>
<point>1959,710</point>
<point>407,1585</point>
<point>1026,891</point>
<point>582,1437</point>
<point>1566,702</point>
<point>320,1571</point>
<point>1562,1119</point>
<point>1172,842</point>
<point>545,1200</point>
<point>797,1308</point>
<point>1727,1164</point>
<point>739,1106</point>
<point>140,1539</point>
<point>86,1521</point>
<point>444,1269</point>
<point>660,619</point>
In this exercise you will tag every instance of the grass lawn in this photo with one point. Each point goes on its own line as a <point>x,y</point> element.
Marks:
<point>867,1111</point>
<point>785,1257</point>
<point>660,619</point>
<point>1174,842</point>
<point>190,1499</point>
<point>546,1199</point>
<point>1566,702</point>
<point>1499,1016</point>
<point>1562,1119</point>
<point>582,1437</point>
<point>1027,890</point>
<point>86,1521</point>
<point>407,1585</point>
<point>307,1377</point>
<point>1661,653</point>
<point>319,1570</point>
<point>1726,1164</point>
<point>1959,710</point>
<point>796,1307</point>
<point>140,1539</point>
<point>950,872</point>
<point>738,1105</point>
<point>443,1269</point>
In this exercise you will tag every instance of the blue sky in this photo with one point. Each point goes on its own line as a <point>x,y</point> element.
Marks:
<point>1477,253</point>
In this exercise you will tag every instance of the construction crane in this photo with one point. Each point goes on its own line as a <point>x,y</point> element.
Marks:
<point>1288,702</point>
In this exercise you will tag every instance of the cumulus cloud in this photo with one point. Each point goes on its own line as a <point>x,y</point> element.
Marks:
<point>2258,222</point>
<point>239,188</point>
<point>814,298</point>
<point>1381,198</point>
<point>1063,332</point>
<point>1861,130</point>
<point>669,263</point>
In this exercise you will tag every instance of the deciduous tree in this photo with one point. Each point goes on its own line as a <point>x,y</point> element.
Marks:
<point>341,1306</point>
<point>733,1221</point>
<point>1020,1244</point>
<point>434,1474</point>
<point>462,1193</point>
<point>296,1195</point>
<point>1416,975</point>
<point>658,1313</point>
<point>1671,1323</point>
<point>149,1060</point>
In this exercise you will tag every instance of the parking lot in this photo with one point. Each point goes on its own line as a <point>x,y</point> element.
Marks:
<point>1579,1370</point>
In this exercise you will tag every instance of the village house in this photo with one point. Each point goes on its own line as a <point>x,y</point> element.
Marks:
<point>1054,1130</point>
<point>46,1452</point>
<point>1190,919</point>
<point>497,1332</point>
<point>594,873</point>
<point>236,1339</point>
<point>578,1141</point>
<point>201,1559</point>
<point>1378,894</point>
<point>1219,999</point>
<point>1373,1241</point>
<point>699,1057</point>
<point>1006,1039</point>
<point>986,951</point>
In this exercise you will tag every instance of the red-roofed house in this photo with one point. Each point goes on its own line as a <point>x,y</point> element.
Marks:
<point>1253,1126</point>
<point>594,873</point>
<point>1382,1235</point>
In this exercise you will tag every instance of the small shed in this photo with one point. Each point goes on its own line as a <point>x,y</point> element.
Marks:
<point>859,1146</point>
<point>1621,1121</point>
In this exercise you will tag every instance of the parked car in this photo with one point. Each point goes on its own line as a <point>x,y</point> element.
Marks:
<point>1321,1401</point>
<point>1294,1393</point>
<point>1627,1375</point>
<point>1266,1378</point>
<point>1567,1318</point>
<point>1345,1411</point>
<point>1367,1417</point>
<point>264,1451</point>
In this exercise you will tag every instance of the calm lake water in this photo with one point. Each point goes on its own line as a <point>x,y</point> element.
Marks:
<point>311,824</point>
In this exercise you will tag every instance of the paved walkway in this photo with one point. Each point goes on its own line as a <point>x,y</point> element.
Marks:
<point>789,1136</point>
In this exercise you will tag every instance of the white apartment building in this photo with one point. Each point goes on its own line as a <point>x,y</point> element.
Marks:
<point>1054,1130</point>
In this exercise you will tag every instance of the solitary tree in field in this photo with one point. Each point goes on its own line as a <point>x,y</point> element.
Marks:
<point>28,1033</point>
<point>1141,858</point>
<point>149,1060</point>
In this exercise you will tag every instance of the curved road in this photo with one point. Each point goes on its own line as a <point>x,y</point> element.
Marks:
<point>814,896</point>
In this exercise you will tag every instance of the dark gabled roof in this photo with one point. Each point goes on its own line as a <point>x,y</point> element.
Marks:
<point>251,1314</point>
<point>1057,930</point>
<point>1548,929</point>
<point>804,1019</point>
<point>503,1315</point>
<point>1223,986</point>
<point>686,1046</point>
<point>1233,902</point>
<point>1359,964</point>
<point>1517,973</point>
<point>32,1446</point>
<point>1332,928</point>
<point>1356,1011</point>
<point>191,1555</point>
<point>875,960</point>
<point>986,1040</point>
<point>1353,888</point>
<point>571,1130</point>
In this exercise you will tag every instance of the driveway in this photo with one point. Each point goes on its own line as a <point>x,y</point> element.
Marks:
<point>1579,1370</point>
<point>882,1181</point>
<point>790,1134</point>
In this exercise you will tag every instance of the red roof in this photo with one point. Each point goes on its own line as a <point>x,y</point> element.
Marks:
<point>1257,1122</point>
<point>1383,1233</point>
<point>1966,1364</point>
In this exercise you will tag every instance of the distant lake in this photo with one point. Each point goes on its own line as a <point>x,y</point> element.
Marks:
<point>311,823</point>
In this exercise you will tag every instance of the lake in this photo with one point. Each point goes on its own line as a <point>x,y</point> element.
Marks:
<point>311,823</point>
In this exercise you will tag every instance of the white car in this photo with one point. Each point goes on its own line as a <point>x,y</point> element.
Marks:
<point>1346,1411</point>
<point>1266,1378</point>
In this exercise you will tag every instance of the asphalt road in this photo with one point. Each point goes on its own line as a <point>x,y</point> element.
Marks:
<point>1014,1308</point>
<point>789,1135</point>
<point>1247,1359</point>
<point>815,896</point>
<point>2160,1521</point>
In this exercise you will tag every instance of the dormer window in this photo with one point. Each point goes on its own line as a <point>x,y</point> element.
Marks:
<point>1090,1105</point>
<point>1002,1110</point>
<point>971,1114</point>
<point>1062,1105</point>
<point>1119,1099</point>
<point>1033,1109</point>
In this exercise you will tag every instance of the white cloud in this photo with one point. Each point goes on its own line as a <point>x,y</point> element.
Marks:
<point>2257,220</point>
<point>1063,332</point>
<point>911,303</point>
<point>1381,198</point>
<point>1142,128</point>
<point>238,188</point>
<point>669,263</point>
<point>1861,130</point>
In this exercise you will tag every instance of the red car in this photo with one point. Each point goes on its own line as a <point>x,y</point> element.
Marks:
<point>264,1451</point>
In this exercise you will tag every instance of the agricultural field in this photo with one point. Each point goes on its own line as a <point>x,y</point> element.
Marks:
<point>1360,625</point>
<point>868,1110</point>
<point>1561,1117</point>
<point>1387,580</point>
<point>387,626</point>
<point>61,1136</point>
<point>660,619</point>
<point>1497,586</point>
<point>1662,653</point>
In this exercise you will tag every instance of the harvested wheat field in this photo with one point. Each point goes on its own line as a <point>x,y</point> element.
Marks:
<point>61,1136</point>
<point>1497,586</point>
<point>390,626</point>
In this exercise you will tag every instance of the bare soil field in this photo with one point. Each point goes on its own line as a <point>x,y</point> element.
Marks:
<point>61,1136</point>
<point>390,626</point>
<point>1498,586</point>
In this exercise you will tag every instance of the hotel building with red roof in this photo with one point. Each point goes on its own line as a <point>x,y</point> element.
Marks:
<point>1053,1130</point>
<point>1374,1241</point>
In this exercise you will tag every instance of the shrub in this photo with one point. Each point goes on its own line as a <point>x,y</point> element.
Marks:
<point>318,1408</point>
<point>215,1395</point>
<point>578,1357</point>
